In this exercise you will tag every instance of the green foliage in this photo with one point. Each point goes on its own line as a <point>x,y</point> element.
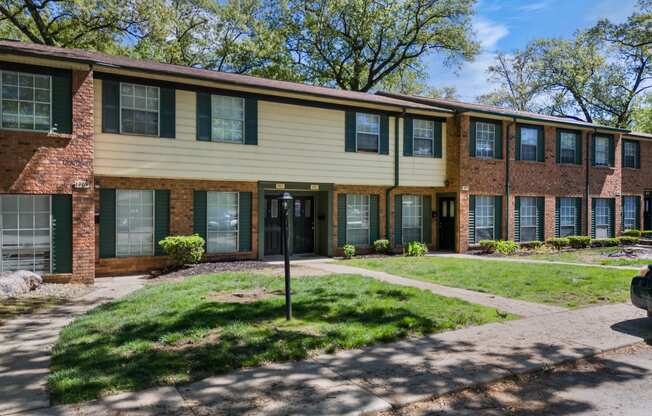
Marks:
<point>579,241</point>
<point>382,246</point>
<point>488,246</point>
<point>632,233</point>
<point>415,249</point>
<point>349,251</point>
<point>646,234</point>
<point>532,245</point>
<point>628,241</point>
<point>184,249</point>
<point>506,247</point>
<point>558,242</point>
<point>642,114</point>
<point>605,242</point>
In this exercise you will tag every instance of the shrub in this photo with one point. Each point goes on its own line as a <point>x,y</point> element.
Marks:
<point>558,242</point>
<point>184,249</point>
<point>349,251</point>
<point>506,247</point>
<point>415,249</point>
<point>579,241</point>
<point>605,242</point>
<point>488,246</point>
<point>628,241</point>
<point>646,234</point>
<point>532,245</point>
<point>381,246</point>
<point>632,233</point>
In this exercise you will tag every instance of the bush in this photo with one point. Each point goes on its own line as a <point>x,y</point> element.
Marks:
<point>415,249</point>
<point>579,241</point>
<point>184,249</point>
<point>628,241</point>
<point>632,233</point>
<point>558,242</point>
<point>506,247</point>
<point>605,242</point>
<point>381,246</point>
<point>349,251</point>
<point>532,245</point>
<point>488,246</point>
<point>646,234</point>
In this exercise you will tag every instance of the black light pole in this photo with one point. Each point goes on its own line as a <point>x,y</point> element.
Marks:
<point>285,204</point>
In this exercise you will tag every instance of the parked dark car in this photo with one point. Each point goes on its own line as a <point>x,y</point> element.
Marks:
<point>641,290</point>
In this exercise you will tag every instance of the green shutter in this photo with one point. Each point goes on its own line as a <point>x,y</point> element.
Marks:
<point>349,131</point>
<point>558,147</point>
<point>612,152</point>
<point>427,219</point>
<point>204,116</point>
<point>638,212</point>
<point>612,217</point>
<point>110,106</point>
<point>62,233</point>
<point>472,142</point>
<point>593,218</point>
<point>517,146</point>
<point>498,217</point>
<point>517,219</point>
<point>472,219</point>
<point>578,216</point>
<point>638,154</point>
<point>384,134</point>
<point>408,141</point>
<point>62,102</point>
<point>592,149</point>
<point>498,150</point>
<point>578,148</point>
<point>161,219</point>
<point>341,220</point>
<point>541,145</point>
<point>398,220</point>
<point>251,121</point>
<point>541,207</point>
<point>438,140</point>
<point>168,105</point>
<point>374,231</point>
<point>244,222</point>
<point>199,220</point>
<point>107,223</point>
<point>557,217</point>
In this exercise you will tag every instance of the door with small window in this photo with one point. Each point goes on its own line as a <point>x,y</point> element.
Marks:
<point>447,224</point>
<point>304,225</point>
<point>273,236</point>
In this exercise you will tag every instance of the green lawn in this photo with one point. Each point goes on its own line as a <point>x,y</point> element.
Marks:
<point>590,256</point>
<point>178,332</point>
<point>569,286</point>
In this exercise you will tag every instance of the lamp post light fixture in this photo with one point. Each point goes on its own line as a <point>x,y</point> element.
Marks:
<point>286,200</point>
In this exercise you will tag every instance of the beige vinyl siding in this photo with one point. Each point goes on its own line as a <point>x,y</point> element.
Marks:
<point>422,171</point>
<point>295,143</point>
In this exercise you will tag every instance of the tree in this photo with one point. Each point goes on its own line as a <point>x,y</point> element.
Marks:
<point>413,80</point>
<point>356,44</point>
<point>642,114</point>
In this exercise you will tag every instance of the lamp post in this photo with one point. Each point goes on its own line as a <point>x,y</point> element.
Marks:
<point>286,199</point>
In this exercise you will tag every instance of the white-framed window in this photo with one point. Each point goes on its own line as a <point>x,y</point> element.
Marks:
<point>485,139</point>
<point>139,109</point>
<point>25,233</point>
<point>629,212</point>
<point>423,133</point>
<point>367,132</point>
<point>227,119</point>
<point>601,151</point>
<point>25,101</point>
<point>630,154</point>
<point>484,218</point>
<point>529,143</point>
<point>134,222</point>
<point>528,219</point>
<point>357,219</point>
<point>222,210</point>
<point>567,146</point>
<point>412,218</point>
<point>567,217</point>
<point>602,218</point>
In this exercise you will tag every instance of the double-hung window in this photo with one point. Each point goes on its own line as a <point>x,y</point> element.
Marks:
<point>357,219</point>
<point>602,217</point>
<point>367,132</point>
<point>630,208</point>
<point>25,101</point>
<point>412,218</point>
<point>567,147</point>
<point>227,119</point>
<point>484,217</point>
<point>630,154</point>
<point>485,139</point>
<point>134,223</point>
<point>223,223</point>
<point>528,219</point>
<point>423,132</point>
<point>601,155</point>
<point>529,143</point>
<point>139,109</point>
<point>568,217</point>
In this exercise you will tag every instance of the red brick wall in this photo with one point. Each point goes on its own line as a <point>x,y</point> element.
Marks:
<point>42,163</point>
<point>637,181</point>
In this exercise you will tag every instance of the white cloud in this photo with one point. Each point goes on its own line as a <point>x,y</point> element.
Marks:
<point>488,33</point>
<point>535,7</point>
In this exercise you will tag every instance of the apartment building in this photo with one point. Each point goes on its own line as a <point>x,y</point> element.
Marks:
<point>103,156</point>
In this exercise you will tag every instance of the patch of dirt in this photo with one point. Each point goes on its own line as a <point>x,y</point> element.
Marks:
<point>244,296</point>
<point>184,344</point>
<point>213,268</point>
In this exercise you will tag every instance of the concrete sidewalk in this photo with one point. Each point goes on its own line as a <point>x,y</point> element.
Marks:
<point>379,377</point>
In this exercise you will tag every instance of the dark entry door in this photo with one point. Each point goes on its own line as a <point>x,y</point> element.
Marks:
<point>647,210</point>
<point>446,233</point>
<point>304,225</point>
<point>273,237</point>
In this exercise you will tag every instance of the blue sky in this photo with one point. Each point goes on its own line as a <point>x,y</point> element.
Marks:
<point>505,25</point>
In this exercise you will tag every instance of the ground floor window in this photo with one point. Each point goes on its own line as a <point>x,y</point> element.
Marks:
<point>528,219</point>
<point>25,225</point>
<point>630,212</point>
<point>602,218</point>
<point>412,218</point>
<point>357,219</point>
<point>484,218</point>
<point>568,217</point>
<point>134,223</point>
<point>223,223</point>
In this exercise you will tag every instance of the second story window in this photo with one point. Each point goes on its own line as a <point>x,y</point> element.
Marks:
<point>630,154</point>
<point>367,132</point>
<point>25,101</point>
<point>529,143</point>
<point>485,140</point>
<point>568,147</point>
<point>139,109</point>
<point>601,155</point>
<point>423,137</point>
<point>227,119</point>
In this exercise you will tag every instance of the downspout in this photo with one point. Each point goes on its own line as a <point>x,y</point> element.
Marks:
<point>396,176</point>
<point>587,186</point>
<point>507,179</point>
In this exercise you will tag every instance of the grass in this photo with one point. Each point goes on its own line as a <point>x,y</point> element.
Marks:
<point>590,256</point>
<point>569,286</point>
<point>179,332</point>
<point>13,307</point>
